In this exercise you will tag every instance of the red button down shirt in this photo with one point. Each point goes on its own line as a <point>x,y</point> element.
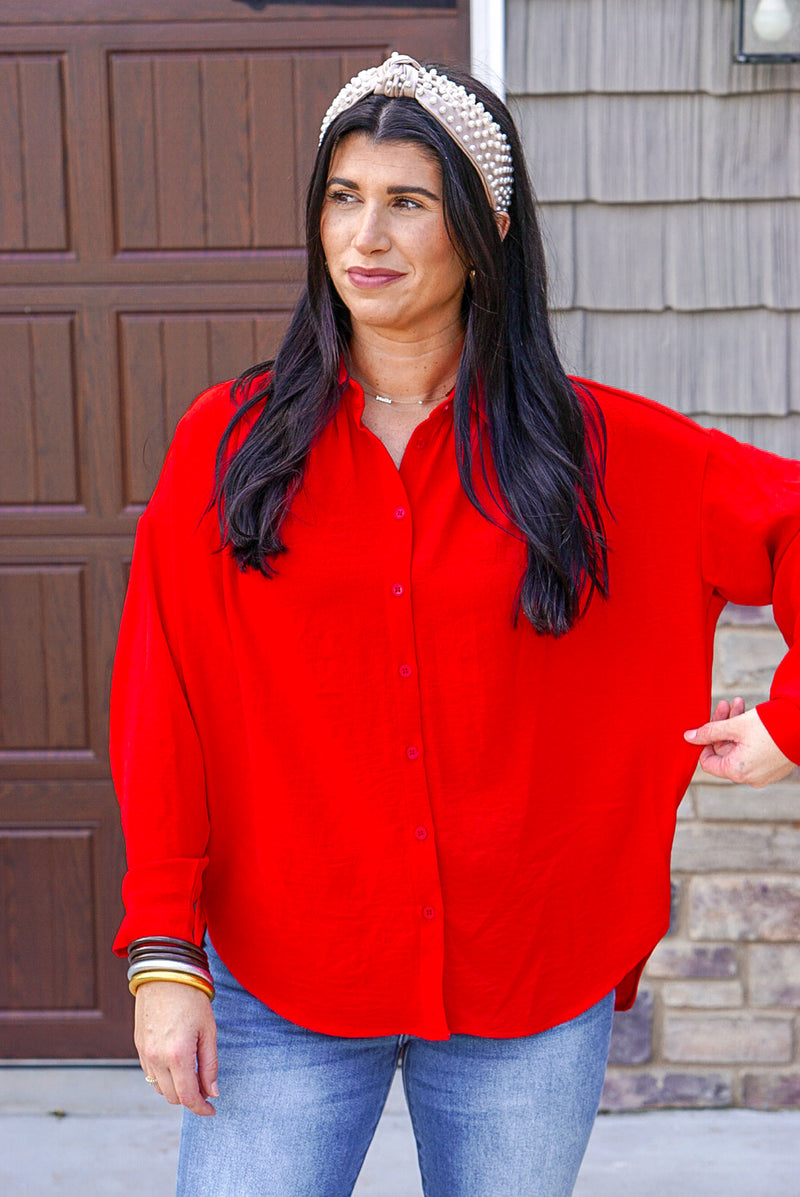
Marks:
<point>395,810</point>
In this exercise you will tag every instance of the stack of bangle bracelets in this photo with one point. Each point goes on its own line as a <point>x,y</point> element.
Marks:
<point>161,958</point>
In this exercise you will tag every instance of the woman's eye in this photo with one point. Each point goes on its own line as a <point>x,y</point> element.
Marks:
<point>341,197</point>
<point>409,204</point>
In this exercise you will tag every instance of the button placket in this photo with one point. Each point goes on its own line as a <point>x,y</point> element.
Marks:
<point>424,880</point>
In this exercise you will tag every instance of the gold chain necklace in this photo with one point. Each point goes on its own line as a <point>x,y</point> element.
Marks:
<point>371,394</point>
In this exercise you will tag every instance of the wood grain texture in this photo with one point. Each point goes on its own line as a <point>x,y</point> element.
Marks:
<point>133,121</point>
<point>38,448</point>
<point>689,257</point>
<point>45,149</point>
<point>33,208</point>
<point>604,45</point>
<point>180,130</point>
<point>730,363</point>
<point>554,134</point>
<point>17,444</point>
<point>751,146</point>
<point>449,15</point>
<point>547,46</point>
<point>631,46</point>
<point>227,161</point>
<point>213,150</point>
<point>60,861</point>
<point>12,197</point>
<point>167,359</point>
<point>274,177</point>
<point>619,257</point>
<point>43,675</point>
<point>672,204</point>
<point>46,930</point>
<point>733,255</point>
<point>652,149</point>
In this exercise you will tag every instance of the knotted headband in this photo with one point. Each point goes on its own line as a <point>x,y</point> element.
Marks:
<point>458,112</point>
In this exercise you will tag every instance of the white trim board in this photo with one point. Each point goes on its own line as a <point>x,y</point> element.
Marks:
<point>487,23</point>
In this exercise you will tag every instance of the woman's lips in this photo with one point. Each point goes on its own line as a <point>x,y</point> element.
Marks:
<point>369,279</point>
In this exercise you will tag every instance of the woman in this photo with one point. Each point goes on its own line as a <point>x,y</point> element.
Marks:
<point>400,700</point>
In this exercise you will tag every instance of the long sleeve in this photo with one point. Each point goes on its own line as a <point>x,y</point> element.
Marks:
<point>751,555</point>
<point>156,757</point>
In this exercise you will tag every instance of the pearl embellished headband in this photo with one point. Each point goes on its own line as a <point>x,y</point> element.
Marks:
<point>457,111</point>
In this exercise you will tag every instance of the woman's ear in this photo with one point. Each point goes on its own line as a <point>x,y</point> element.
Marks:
<point>503,223</point>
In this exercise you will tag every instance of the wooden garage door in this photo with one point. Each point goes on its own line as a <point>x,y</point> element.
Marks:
<point>153,156</point>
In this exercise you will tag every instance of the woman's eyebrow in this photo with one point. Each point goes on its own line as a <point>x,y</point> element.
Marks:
<point>340,182</point>
<point>415,190</point>
<point>411,189</point>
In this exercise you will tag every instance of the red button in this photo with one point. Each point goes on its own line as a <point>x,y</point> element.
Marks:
<point>398,589</point>
<point>428,912</point>
<point>412,753</point>
<point>399,513</point>
<point>421,833</point>
<point>406,671</point>
<point>420,442</point>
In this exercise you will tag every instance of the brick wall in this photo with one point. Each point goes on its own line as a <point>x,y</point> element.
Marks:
<point>716,1022</point>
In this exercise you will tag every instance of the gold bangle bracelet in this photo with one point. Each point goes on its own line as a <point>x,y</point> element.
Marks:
<point>180,978</point>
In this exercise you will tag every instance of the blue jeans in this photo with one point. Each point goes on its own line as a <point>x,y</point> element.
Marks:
<point>297,1109</point>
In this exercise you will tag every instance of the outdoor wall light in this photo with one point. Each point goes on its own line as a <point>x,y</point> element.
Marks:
<point>768,31</point>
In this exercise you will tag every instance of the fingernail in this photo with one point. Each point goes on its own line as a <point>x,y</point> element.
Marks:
<point>690,735</point>
<point>214,1089</point>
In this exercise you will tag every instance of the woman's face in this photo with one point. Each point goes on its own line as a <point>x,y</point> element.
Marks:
<point>384,238</point>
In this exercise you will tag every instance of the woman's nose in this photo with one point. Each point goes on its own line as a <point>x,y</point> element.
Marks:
<point>371,233</point>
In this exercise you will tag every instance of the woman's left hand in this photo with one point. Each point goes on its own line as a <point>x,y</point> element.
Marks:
<point>739,747</point>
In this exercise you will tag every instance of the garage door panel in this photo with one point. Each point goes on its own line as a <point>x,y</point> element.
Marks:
<point>276,186</point>
<point>47,893</point>
<point>38,463</point>
<point>167,360</point>
<point>61,855</point>
<point>133,132</point>
<point>179,169</point>
<point>43,675</point>
<point>33,208</point>
<point>228,150</point>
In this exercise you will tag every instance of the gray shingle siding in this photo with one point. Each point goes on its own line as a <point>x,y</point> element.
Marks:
<point>669,179</point>
<point>558,47</point>
<point>670,187</point>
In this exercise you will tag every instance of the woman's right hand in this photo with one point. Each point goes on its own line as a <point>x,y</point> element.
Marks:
<point>175,1028</point>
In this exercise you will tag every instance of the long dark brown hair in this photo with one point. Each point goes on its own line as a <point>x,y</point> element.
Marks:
<point>545,441</point>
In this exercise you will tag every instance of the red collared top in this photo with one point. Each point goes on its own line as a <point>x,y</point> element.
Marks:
<point>395,811</point>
